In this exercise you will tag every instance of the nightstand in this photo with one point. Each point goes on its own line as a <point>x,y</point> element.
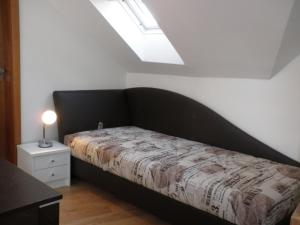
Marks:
<point>49,165</point>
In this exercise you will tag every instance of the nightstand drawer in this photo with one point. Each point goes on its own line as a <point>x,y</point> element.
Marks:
<point>51,174</point>
<point>49,161</point>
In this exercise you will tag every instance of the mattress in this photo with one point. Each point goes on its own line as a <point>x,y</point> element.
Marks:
<point>239,188</point>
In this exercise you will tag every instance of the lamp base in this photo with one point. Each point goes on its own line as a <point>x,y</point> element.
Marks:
<point>45,143</point>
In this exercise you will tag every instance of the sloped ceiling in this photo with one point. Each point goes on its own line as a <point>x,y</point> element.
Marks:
<point>215,38</point>
<point>290,45</point>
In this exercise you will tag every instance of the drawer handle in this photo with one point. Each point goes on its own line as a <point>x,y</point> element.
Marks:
<point>52,161</point>
<point>52,174</point>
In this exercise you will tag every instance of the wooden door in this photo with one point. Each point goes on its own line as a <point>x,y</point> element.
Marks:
<point>9,80</point>
<point>2,93</point>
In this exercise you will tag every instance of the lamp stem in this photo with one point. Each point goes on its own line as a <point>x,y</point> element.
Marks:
<point>44,131</point>
<point>45,143</point>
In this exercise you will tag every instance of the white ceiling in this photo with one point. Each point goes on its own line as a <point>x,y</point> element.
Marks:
<point>232,38</point>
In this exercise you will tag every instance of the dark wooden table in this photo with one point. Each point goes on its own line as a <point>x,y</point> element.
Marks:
<point>25,200</point>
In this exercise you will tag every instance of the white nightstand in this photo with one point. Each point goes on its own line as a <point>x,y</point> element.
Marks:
<point>49,165</point>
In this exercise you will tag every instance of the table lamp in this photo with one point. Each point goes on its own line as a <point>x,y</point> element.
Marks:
<point>48,118</point>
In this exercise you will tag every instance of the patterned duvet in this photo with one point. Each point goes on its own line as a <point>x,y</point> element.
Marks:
<point>236,187</point>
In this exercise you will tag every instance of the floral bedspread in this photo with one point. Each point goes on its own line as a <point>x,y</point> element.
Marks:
<point>236,187</point>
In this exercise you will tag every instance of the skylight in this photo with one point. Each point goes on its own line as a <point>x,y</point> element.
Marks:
<point>133,21</point>
<point>141,14</point>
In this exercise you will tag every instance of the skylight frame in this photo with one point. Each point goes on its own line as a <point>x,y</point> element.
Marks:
<point>148,47</point>
<point>141,15</point>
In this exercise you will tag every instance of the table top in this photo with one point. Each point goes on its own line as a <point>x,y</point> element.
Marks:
<point>34,150</point>
<point>19,190</point>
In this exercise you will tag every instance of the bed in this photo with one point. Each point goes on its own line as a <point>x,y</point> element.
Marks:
<point>181,171</point>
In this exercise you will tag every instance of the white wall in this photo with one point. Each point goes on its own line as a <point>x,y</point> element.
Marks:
<point>266,109</point>
<point>55,56</point>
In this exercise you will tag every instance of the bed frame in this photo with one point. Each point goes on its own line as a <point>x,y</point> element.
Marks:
<point>162,111</point>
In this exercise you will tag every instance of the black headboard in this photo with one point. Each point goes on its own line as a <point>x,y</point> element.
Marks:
<point>159,110</point>
<point>83,110</point>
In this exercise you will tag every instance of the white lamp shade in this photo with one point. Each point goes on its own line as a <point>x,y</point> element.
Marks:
<point>49,117</point>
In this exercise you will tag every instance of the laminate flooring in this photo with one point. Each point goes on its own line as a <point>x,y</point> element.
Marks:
<point>84,204</point>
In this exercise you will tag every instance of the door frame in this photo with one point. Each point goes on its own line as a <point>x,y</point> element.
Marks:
<point>10,11</point>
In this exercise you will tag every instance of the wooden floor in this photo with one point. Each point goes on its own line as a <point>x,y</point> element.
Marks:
<point>84,204</point>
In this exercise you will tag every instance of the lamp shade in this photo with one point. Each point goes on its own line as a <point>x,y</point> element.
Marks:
<point>49,117</point>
